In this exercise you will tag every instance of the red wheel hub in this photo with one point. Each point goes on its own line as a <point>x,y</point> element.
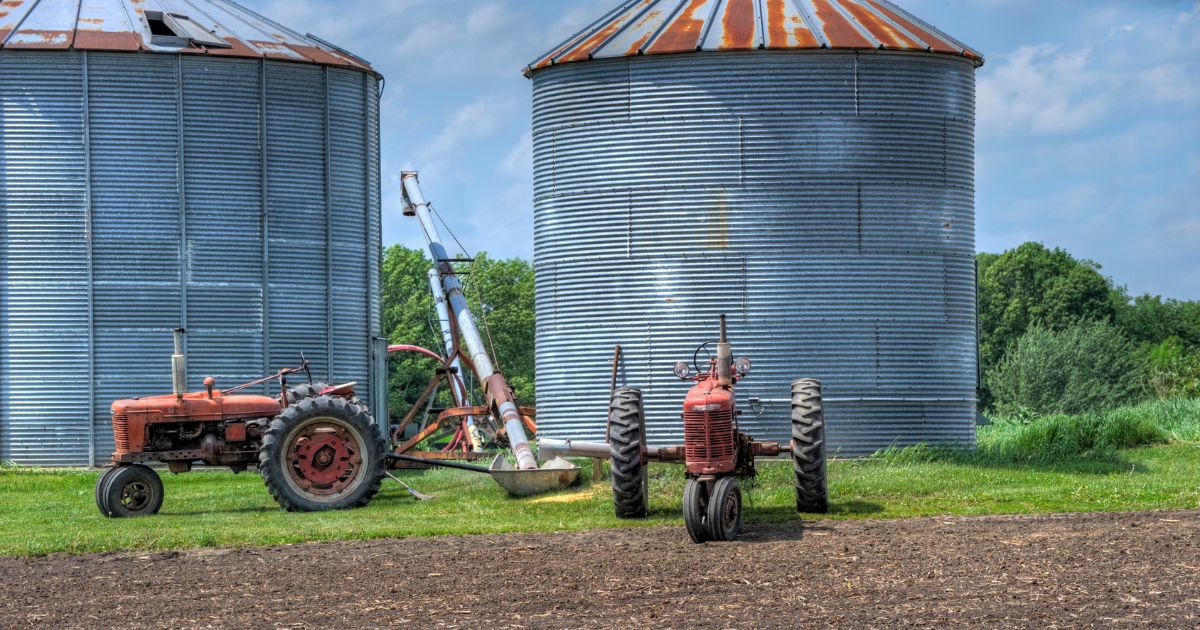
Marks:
<point>323,458</point>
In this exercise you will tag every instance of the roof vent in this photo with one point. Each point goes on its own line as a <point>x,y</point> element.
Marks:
<point>180,31</point>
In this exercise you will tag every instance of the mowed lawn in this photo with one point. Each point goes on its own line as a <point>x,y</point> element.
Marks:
<point>45,512</point>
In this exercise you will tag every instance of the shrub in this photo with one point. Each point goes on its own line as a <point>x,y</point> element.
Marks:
<point>1085,367</point>
<point>1171,371</point>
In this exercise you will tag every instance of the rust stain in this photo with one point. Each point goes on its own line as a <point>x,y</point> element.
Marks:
<point>101,40</point>
<point>318,55</point>
<point>717,221</point>
<point>237,48</point>
<point>3,14</point>
<point>42,39</point>
<point>787,31</point>
<point>933,43</point>
<point>588,46</point>
<point>12,4</point>
<point>882,31</point>
<point>646,32</point>
<point>838,30</point>
<point>738,23</point>
<point>682,34</point>
<point>84,20</point>
<point>4,33</point>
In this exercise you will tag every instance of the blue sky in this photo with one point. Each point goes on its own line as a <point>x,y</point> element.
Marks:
<point>1088,121</point>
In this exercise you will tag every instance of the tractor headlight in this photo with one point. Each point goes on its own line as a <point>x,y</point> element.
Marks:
<point>682,371</point>
<point>742,366</point>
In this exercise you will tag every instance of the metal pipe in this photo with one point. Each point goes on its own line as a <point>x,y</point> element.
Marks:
<point>494,383</point>
<point>457,387</point>
<point>549,448</point>
<point>724,359</point>
<point>439,463</point>
<point>179,367</point>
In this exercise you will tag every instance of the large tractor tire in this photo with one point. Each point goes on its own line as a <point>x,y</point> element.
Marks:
<point>312,390</point>
<point>129,492</point>
<point>626,441</point>
<point>695,510</point>
<point>808,447</point>
<point>725,510</point>
<point>322,453</point>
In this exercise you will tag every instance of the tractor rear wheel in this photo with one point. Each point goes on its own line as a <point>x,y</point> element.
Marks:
<point>101,491</point>
<point>312,390</point>
<point>808,447</point>
<point>725,510</point>
<point>626,440</point>
<point>131,491</point>
<point>322,453</point>
<point>695,510</point>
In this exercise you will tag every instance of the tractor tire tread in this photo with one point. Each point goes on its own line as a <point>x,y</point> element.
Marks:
<point>808,447</point>
<point>272,471</point>
<point>626,437</point>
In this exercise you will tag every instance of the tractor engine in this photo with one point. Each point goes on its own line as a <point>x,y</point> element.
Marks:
<point>709,429</point>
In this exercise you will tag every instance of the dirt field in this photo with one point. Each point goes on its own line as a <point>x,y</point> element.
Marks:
<point>1074,570</point>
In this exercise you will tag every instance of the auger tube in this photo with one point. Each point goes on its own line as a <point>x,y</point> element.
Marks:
<point>495,386</point>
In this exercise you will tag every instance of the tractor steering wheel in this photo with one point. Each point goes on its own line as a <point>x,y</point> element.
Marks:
<point>708,357</point>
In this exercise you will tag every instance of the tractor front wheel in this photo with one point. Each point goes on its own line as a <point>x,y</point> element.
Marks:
<point>695,510</point>
<point>129,491</point>
<point>322,453</point>
<point>725,510</point>
<point>808,447</point>
<point>626,439</point>
<point>101,491</point>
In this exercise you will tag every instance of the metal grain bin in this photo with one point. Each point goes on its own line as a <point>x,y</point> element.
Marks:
<point>193,166</point>
<point>804,166</point>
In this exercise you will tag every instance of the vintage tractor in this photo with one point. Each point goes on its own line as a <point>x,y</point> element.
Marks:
<point>715,452</point>
<point>316,446</point>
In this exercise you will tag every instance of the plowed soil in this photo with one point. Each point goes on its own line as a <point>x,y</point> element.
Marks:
<point>1070,570</point>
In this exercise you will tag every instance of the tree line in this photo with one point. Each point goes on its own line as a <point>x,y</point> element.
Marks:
<point>1055,334</point>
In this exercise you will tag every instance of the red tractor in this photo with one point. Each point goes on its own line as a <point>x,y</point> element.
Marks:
<point>316,446</point>
<point>715,452</point>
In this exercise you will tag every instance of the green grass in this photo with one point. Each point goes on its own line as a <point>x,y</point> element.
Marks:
<point>46,512</point>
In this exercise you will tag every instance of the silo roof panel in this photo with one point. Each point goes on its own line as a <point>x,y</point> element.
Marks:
<point>216,27</point>
<point>638,27</point>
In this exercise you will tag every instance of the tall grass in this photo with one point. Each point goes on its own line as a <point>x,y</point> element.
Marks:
<point>1058,436</point>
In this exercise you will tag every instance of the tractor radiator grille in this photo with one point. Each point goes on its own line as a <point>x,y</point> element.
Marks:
<point>120,425</point>
<point>708,436</point>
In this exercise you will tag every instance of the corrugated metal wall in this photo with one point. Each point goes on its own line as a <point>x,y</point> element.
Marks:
<point>823,200</point>
<point>140,193</point>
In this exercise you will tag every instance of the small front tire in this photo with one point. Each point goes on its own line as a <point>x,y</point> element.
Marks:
<point>725,510</point>
<point>130,492</point>
<point>695,510</point>
<point>101,491</point>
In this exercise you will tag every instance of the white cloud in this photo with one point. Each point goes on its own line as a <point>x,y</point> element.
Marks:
<point>1042,89</point>
<point>519,162</point>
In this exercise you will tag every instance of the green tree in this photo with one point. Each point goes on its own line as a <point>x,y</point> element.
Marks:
<point>1034,286</point>
<point>1084,367</point>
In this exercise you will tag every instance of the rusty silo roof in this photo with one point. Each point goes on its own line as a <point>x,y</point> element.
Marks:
<point>653,27</point>
<point>214,27</point>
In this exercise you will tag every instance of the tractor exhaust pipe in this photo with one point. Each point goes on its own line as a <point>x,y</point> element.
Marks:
<point>724,359</point>
<point>179,366</point>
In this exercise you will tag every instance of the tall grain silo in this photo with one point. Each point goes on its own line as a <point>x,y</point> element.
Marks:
<point>177,163</point>
<point>805,167</point>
